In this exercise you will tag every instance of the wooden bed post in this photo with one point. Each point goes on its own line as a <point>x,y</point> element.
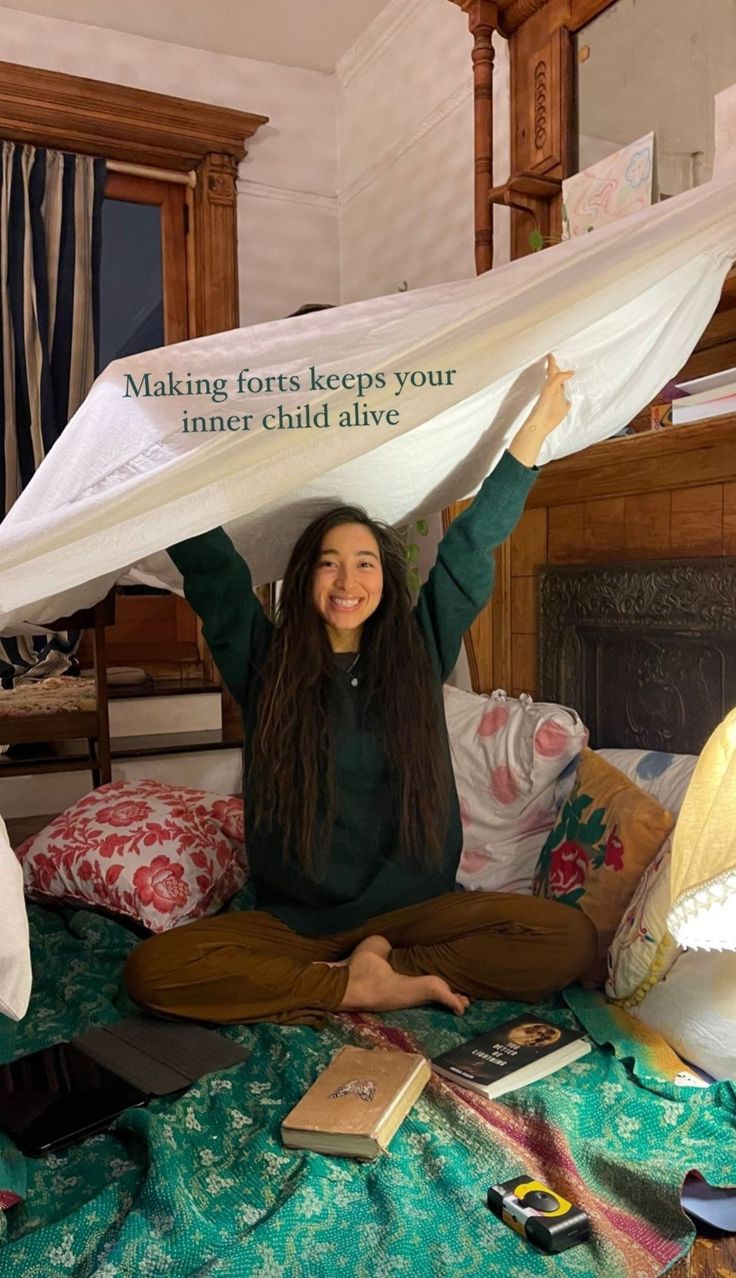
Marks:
<point>485,639</point>
<point>482,21</point>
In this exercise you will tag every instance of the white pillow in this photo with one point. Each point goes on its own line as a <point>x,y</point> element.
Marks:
<point>15,951</point>
<point>665,776</point>
<point>694,1008</point>
<point>642,951</point>
<point>507,755</point>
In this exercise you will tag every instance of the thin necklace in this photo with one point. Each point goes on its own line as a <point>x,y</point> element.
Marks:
<point>349,669</point>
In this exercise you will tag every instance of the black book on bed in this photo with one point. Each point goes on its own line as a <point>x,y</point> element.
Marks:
<point>60,1095</point>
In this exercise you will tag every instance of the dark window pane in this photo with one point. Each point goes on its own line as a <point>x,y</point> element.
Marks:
<point>131,285</point>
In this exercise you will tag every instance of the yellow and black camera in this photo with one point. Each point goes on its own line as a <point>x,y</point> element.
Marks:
<point>536,1211</point>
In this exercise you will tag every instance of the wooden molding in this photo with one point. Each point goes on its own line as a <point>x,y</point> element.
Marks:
<point>216,239</point>
<point>533,196</point>
<point>543,137</point>
<point>482,21</point>
<point>511,15</point>
<point>480,12</point>
<point>501,638</point>
<point>72,113</point>
<point>514,14</point>
<point>677,457</point>
<point>527,185</point>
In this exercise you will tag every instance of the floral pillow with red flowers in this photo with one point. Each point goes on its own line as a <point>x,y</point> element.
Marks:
<point>607,833</point>
<point>159,854</point>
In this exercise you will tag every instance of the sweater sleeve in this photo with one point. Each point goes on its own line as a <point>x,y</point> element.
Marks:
<point>460,583</point>
<point>218,585</point>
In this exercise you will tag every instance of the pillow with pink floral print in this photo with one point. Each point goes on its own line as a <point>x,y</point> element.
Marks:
<point>507,754</point>
<point>159,854</point>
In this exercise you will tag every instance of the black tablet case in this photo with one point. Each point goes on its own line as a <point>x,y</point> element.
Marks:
<point>61,1094</point>
<point>159,1057</point>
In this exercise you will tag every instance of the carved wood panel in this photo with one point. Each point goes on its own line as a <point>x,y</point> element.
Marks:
<point>543,140</point>
<point>669,625</point>
<point>537,126</point>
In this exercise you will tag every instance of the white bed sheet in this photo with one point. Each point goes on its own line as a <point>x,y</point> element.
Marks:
<point>623,307</point>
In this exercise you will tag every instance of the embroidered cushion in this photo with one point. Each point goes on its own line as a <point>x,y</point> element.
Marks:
<point>507,755</point>
<point>607,833</point>
<point>159,854</point>
<point>642,951</point>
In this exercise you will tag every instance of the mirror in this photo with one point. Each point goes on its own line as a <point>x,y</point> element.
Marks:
<point>656,64</point>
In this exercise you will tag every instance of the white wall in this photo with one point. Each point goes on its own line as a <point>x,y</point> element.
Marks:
<point>361,179</point>
<point>287,207</point>
<point>657,64</point>
<point>405,163</point>
<point>405,138</point>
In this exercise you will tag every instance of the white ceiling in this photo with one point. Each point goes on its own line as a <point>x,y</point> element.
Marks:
<point>299,33</point>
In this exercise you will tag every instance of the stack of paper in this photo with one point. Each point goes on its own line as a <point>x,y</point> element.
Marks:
<point>713,396</point>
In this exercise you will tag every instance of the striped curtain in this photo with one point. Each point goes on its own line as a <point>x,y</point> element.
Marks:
<point>50,233</point>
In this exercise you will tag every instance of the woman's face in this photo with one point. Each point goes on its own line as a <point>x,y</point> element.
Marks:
<point>347,583</point>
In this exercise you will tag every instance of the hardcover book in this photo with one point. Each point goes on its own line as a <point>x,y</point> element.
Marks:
<point>358,1103</point>
<point>515,1054</point>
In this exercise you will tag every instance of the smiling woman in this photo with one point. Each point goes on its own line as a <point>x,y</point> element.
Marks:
<point>353,824</point>
<point>348,580</point>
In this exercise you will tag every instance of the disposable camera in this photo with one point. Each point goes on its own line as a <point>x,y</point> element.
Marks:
<point>544,1217</point>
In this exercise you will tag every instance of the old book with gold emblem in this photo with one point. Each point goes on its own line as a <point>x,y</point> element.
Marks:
<point>358,1103</point>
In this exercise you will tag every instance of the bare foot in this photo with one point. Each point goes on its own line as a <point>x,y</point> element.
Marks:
<point>373,945</point>
<point>370,945</point>
<point>373,986</point>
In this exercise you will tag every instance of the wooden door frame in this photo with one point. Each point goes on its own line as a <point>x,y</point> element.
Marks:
<point>171,200</point>
<point>90,117</point>
<point>135,126</point>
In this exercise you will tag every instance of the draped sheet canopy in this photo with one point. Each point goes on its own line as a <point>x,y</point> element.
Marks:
<point>623,307</point>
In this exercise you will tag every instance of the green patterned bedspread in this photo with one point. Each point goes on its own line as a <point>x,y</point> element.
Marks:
<point>201,1185</point>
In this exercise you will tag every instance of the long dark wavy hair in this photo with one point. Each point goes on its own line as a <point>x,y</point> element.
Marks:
<point>292,767</point>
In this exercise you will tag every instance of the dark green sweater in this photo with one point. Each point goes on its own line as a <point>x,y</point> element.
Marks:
<point>362,874</point>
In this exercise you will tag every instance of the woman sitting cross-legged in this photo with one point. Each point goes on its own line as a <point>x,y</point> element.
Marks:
<point>352,824</point>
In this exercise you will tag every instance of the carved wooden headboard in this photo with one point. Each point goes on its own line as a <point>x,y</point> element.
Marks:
<point>645,652</point>
<point>649,496</point>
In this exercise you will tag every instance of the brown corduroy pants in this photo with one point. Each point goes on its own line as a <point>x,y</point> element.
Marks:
<point>249,966</point>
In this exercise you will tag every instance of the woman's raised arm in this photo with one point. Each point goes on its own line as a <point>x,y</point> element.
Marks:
<point>218,585</point>
<point>460,583</point>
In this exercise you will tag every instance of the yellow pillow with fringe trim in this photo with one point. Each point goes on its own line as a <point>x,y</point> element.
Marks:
<point>642,951</point>
<point>607,833</point>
